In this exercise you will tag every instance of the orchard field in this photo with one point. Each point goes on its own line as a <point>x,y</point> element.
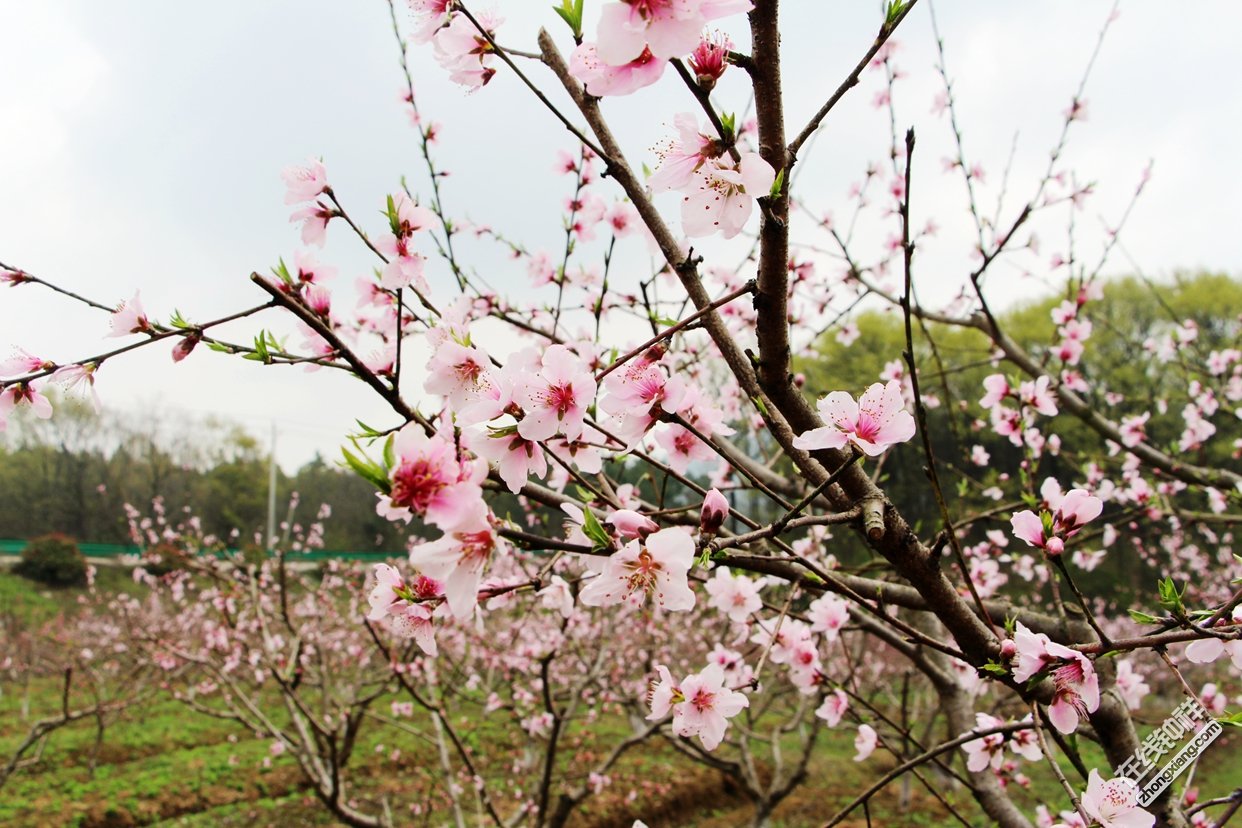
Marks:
<point>627,413</point>
<point>162,764</point>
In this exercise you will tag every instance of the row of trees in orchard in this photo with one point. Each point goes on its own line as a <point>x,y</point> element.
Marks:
<point>75,474</point>
<point>628,500</point>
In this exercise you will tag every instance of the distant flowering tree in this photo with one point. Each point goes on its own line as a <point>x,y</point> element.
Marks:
<point>658,474</point>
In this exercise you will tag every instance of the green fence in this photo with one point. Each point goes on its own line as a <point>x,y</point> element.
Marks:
<point>116,550</point>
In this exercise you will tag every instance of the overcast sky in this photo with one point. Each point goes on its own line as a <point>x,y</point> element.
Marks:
<point>141,145</point>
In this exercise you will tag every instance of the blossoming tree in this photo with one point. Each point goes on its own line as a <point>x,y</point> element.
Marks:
<point>656,471</point>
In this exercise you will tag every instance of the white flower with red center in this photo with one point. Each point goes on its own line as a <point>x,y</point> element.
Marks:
<point>828,615</point>
<point>583,452</point>
<point>432,481</point>
<point>804,666</point>
<point>314,218</point>
<point>1114,804</point>
<point>1049,530</point>
<point>1134,429</point>
<point>669,28</point>
<point>463,50</point>
<point>865,742</point>
<point>405,264</point>
<point>457,560</point>
<point>401,608</point>
<point>735,668</point>
<point>306,269</point>
<point>656,567</point>
<point>1076,686</point>
<point>557,398</point>
<point>129,318</point>
<point>23,393</point>
<point>733,595</point>
<point>683,447</point>
<point>81,378</point>
<point>456,372</point>
<point>637,390</point>
<point>516,457</point>
<point>681,442</point>
<point>722,195</point>
<point>708,706</point>
<point>701,704</point>
<point>557,596</point>
<point>1131,685</point>
<point>833,708</point>
<point>24,362</point>
<point>663,694</point>
<point>997,388</point>
<point>1025,743</point>
<point>429,17</point>
<point>1039,396</point>
<point>782,639</point>
<point>986,751</point>
<point>304,183</point>
<point>1207,650</point>
<point>876,422</point>
<point>681,157</point>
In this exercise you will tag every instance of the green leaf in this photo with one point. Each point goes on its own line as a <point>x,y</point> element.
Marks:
<point>1233,720</point>
<point>593,529</point>
<point>1143,618</point>
<point>1049,526</point>
<point>393,221</point>
<point>571,12</point>
<point>367,470</point>
<point>894,11</point>
<point>1171,598</point>
<point>390,456</point>
<point>777,184</point>
<point>995,669</point>
<point>281,272</point>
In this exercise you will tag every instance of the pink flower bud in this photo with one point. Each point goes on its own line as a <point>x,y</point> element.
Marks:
<point>182,349</point>
<point>1054,546</point>
<point>1008,649</point>
<point>715,510</point>
<point>710,59</point>
<point>630,524</point>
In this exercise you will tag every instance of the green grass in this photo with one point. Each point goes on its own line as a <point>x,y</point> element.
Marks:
<point>34,603</point>
<point>165,764</point>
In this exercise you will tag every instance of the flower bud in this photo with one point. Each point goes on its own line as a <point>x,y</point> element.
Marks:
<point>630,524</point>
<point>1054,546</point>
<point>1009,649</point>
<point>182,349</point>
<point>710,59</point>
<point>715,510</point>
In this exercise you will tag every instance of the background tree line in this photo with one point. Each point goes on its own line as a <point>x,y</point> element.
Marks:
<point>1133,311</point>
<point>74,474</point>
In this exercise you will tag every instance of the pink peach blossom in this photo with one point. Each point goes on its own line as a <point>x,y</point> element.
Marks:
<point>657,567</point>
<point>877,421</point>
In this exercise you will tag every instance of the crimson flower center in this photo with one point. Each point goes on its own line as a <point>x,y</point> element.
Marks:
<point>416,484</point>
<point>867,428</point>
